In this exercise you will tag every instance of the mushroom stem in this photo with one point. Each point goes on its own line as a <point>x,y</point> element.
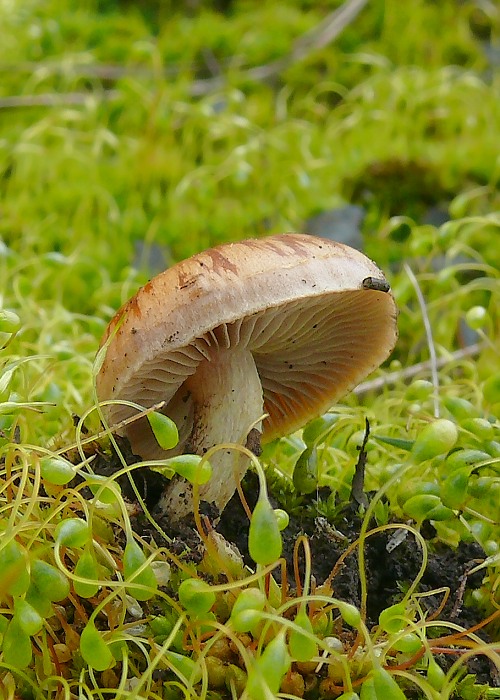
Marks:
<point>226,392</point>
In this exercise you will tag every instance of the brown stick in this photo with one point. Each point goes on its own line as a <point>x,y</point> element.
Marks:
<point>319,37</point>
<point>410,372</point>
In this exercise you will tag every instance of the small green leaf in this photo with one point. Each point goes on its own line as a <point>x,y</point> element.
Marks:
<point>196,596</point>
<point>302,647</point>
<point>264,538</point>
<point>94,649</point>
<point>86,567</point>
<point>72,532</point>
<point>400,443</point>
<point>164,430</point>
<point>480,486</point>
<point>117,647</point>
<point>133,559</point>
<point>480,427</point>
<point>465,458</point>
<point>41,604</point>
<point>56,470</point>
<point>161,626</point>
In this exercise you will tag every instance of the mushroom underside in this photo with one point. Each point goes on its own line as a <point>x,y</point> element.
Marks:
<point>290,362</point>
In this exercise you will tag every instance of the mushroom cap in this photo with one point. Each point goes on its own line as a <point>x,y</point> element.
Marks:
<point>316,315</point>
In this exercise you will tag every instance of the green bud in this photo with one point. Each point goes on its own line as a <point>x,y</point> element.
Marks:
<point>164,429</point>
<point>419,390</point>
<point>477,317</point>
<point>133,559</point>
<point>73,532</point>
<point>282,518</point>
<point>435,674</point>
<point>302,647</point>
<point>264,538</point>
<point>269,669</point>
<point>350,614</point>
<point>190,467</point>
<point>183,665</point>
<point>56,470</point>
<point>436,438</point>
<point>491,389</point>
<point>94,650</point>
<point>427,507</point>
<point>196,596</point>
<point>250,600</point>
<point>305,472</point>
<point>9,321</point>
<point>454,489</point>
<point>392,619</point>
<point>29,619</point>
<point>86,567</point>
<point>385,685</point>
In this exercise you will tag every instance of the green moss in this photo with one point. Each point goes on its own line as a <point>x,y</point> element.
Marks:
<point>122,160</point>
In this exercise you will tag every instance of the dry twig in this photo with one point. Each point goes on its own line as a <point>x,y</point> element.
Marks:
<point>319,37</point>
<point>392,378</point>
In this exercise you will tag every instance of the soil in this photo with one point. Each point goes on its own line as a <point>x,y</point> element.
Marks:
<point>389,568</point>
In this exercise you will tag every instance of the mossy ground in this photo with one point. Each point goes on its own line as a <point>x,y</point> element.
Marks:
<point>123,150</point>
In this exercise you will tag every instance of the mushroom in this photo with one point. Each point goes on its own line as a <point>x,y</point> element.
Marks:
<point>261,334</point>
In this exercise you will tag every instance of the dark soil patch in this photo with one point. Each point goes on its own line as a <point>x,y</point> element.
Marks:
<point>390,569</point>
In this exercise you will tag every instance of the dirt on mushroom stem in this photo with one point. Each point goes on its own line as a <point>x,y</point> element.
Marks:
<point>227,397</point>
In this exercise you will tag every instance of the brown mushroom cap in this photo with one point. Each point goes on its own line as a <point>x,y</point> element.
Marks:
<point>304,307</point>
